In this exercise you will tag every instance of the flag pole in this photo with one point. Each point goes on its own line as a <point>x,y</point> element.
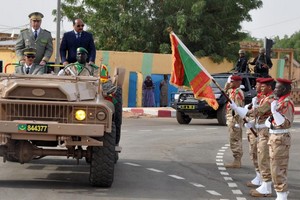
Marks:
<point>228,99</point>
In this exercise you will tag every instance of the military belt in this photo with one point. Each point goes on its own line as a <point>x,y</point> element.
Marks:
<point>279,131</point>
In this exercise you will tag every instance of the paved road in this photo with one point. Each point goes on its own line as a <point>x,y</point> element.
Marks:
<point>160,160</point>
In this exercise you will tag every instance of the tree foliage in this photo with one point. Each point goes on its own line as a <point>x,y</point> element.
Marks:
<point>207,27</point>
<point>289,42</point>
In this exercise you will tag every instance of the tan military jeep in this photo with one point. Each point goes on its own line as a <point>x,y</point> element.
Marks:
<point>49,115</point>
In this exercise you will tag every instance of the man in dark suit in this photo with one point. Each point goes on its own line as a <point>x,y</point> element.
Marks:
<point>74,39</point>
<point>29,67</point>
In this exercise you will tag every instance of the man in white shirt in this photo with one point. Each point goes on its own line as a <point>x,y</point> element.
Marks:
<point>29,67</point>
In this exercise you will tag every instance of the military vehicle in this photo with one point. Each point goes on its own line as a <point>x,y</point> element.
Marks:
<point>70,116</point>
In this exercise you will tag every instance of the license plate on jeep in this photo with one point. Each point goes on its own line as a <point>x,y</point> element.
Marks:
<point>40,128</point>
<point>187,107</point>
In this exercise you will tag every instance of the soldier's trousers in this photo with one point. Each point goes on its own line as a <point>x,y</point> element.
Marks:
<point>252,148</point>
<point>263,155</point>
<point>279,147</point>
<point>235,139</point>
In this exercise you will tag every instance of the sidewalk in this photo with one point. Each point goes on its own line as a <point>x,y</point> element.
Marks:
<point>162,111</point>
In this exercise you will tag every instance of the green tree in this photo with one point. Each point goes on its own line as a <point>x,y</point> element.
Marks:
<point>289,42</point>
<point>207,27</point>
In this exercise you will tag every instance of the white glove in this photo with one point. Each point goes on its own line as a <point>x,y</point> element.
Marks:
<point>233,106</point>
<point>229,79</point>
<point>254,102</point>
<point>274,106</point>
<point>247,106</point>
<point>61,72</point>
<point>268,123</point>
<point>249,124</point>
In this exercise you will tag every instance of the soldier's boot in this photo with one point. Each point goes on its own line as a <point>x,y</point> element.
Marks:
<point>235,164</point>
<point>256,182</point>
<point>265,190</point>
<point>282,195</point>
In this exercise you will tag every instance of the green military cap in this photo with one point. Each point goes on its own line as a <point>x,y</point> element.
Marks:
<point>82,50</point>
<point>29,51</point>
<point>36,16</point>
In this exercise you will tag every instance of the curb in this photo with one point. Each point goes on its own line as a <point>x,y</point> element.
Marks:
<point>155,111</point>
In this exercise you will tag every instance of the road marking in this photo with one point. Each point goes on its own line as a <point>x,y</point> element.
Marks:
<point>145,130</point>
<point>232,184</point>
<point>219,160</point>
<point>221,168</point>
<point>155,170</point>
<point>190,129</point>
<point>224,148</point>
<point>219,156</point>
<point>241,198</point>
<point>228,178</point>
<point>237,192</point>
<point>132,164</point>
<point>213,192</point>
<point>227,145</point>
<point>197,185</point>
<point>220,164</point>
<point>176,177</point>
<point>224,173</point>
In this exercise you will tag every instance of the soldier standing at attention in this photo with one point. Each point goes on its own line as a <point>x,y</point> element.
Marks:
<point>234,121</point>
<point>37,38</point>
<point>256,181</point>
<point>261,111</point>
<point>280,138</point>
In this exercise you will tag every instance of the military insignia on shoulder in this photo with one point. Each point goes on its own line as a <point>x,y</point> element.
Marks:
<point>25,29</point>
<point>46,30</point>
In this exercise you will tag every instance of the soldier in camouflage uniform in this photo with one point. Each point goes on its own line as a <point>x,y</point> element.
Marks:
<point>234,121</point>
<point>37,38</point>
<point>280,138</point>
<point>81,67</point>
<point>262,111</point>
<point>256,181</point>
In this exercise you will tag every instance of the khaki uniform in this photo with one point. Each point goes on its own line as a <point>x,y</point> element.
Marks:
<point>43,44</point>
<point>263,158</point>
<point>234,122</point>
<point>280,143</point>
<point>252,139</point>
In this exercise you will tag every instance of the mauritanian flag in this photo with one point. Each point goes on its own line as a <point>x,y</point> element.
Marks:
<point>188,72</point>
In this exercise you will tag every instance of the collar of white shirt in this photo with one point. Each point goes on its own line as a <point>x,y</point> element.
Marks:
<point>38,31</point>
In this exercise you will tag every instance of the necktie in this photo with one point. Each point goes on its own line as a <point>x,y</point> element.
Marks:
<point>27,70</point>
<point>35,34</point>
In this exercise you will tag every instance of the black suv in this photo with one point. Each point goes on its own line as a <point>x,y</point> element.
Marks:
<point>188,108</point>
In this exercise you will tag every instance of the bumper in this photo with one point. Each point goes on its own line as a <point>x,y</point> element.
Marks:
<point>54,129</point>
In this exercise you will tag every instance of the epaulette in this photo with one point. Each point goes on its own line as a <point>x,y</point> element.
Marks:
<point>46,30</point>
<point>94,66</point>
<point>25,29</point>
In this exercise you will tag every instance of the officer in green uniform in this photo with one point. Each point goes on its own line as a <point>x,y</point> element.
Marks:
<point>81,67</point>
<point>37,38</point>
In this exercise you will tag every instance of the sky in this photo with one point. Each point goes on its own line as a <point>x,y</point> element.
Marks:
<point>275,18</point>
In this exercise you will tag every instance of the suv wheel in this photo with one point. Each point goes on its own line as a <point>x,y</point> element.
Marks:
<point>103,160</point>
<point>182,118</point>
<point>221,115</point>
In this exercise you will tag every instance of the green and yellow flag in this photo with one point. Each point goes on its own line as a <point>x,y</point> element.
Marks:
<point>188,72</point>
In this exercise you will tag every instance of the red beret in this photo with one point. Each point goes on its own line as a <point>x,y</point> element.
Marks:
<point>258,80</point>
<point>284,81</point>
<point>266,80</point>
<point>236,78</point>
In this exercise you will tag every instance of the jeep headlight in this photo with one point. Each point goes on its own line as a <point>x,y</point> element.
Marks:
<point>80,115</point>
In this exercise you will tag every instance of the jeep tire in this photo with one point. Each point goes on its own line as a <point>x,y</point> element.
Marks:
<point>182,118</point>
<point>221,115</point>
<point>103,160</point>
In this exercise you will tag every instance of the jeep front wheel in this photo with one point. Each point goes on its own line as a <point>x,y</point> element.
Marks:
<point>103,160</point>
<point>182,118</point>
<point>221,115</point>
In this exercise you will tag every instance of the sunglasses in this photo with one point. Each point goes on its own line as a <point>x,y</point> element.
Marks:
<point>30,57</point>
<point>80,25</point>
